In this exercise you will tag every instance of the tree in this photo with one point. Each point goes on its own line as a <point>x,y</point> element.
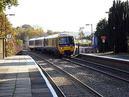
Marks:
<point>27,31</point>
<point>7,3</point>
<point>118,25</point>
<point>6,27</point>
<point>101,30</point>
<point>116,28</point>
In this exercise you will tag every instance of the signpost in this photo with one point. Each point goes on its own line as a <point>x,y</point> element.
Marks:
<point>103,39</point>
<point>2,48</point>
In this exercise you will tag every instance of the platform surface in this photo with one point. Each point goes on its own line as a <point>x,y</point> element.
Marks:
<point>20,77</point>
<point>120,57</point>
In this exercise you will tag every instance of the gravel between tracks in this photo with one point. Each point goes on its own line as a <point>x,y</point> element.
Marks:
<point>107,86</point>
<point>69,88</point>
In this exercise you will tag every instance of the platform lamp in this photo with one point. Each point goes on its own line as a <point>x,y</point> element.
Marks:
<point>8,36</point>
<point>91,27</point>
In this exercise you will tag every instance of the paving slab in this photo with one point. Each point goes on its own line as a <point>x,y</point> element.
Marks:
<point>20,77</point>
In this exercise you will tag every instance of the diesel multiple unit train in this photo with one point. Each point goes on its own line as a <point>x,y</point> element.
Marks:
<point>58,44</point>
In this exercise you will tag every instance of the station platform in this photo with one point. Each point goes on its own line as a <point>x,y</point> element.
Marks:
<point>110,55</point>
<point>20,77</point>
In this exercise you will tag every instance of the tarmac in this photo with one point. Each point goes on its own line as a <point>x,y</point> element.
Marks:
<point>20,77</point>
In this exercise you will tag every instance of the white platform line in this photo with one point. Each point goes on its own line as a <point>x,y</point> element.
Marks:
<point>119,59</point>
<point>46,80</point>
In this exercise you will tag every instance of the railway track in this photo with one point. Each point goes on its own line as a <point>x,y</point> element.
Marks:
<point>110,71</point>
<point>97,81</point>
<point>85,90</point>
<point>111,62</point>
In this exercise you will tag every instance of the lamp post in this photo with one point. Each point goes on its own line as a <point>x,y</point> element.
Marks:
<point>77,50</point>
<point>81,32</point>
<point>8,36</point>
<point>94,39</point>
<point>1,24</point>
<point>78,46</point>
<point>91,30</point>
<point>108,12</point>
<point>91,27</point>
<point>113,41</point>
<point>5,18</point>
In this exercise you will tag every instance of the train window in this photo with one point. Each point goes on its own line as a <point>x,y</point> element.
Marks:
<point>31,42</point>
<point>66,40</point>
<point>49,42</point>
<point>38,42</point>
<point>54,42</point>
<point>71,40</point>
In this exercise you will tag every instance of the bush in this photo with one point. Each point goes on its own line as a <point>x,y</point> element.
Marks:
<point>13,47</point>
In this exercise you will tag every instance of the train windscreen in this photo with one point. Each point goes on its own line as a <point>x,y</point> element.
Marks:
<point>66,41</point>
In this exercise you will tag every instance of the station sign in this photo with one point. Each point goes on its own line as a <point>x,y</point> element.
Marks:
<point>103,39</point>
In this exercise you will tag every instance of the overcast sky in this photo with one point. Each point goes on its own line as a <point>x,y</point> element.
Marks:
<point>59,15</point>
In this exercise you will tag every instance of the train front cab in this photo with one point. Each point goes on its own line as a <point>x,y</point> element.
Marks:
<point>66,45</point>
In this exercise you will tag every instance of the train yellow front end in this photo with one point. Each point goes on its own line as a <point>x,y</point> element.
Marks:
<point>66,50</point>
<point>66,45</point>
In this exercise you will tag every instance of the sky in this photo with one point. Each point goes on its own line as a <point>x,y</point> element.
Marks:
<point>60,15</point>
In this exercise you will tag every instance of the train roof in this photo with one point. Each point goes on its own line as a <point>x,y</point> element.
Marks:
<point>51,36</point>
<point>58,35</point>
<point>39,38</point>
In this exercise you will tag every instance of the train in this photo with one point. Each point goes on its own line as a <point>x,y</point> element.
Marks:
<point>57,44</point>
